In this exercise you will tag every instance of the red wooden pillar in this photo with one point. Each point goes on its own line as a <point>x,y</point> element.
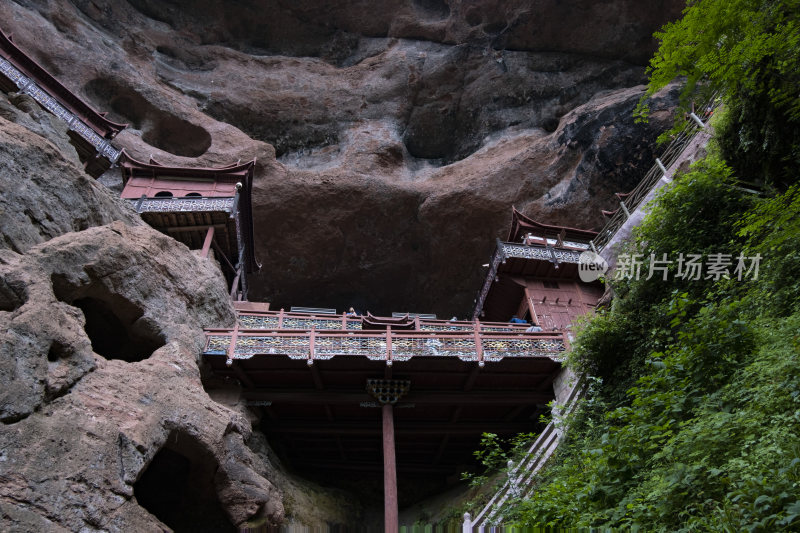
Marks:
<point>207,242</point>
<point>388,392</point>
<point>390,512</point>
<point>476,325</point>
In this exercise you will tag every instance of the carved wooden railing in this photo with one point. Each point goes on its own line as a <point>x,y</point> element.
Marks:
<point>31,79</point>
<point>193,204</point>
<point>314,337</point>
<point>306,321</point>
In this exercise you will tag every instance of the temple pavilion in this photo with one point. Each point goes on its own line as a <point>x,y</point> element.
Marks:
<point>533,275</point>
<point>204,208</point>
<point>90,132</point>
<point>398,401</point>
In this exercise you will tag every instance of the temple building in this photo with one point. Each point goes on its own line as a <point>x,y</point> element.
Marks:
<point>90,132</point>
<point>534,275</point>
<point>204,208</point>
<point>405,399</point>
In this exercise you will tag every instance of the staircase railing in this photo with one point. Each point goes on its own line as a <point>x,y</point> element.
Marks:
<point>520,477</point>
<point>694,124</point>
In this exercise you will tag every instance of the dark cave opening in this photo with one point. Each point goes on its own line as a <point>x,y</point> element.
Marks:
<point>57,352</point>
<point>111,337</point>
<point>12,295</point>
<point>178,488</point>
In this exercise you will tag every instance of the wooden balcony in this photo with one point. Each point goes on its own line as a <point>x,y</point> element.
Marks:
<point>307,377</point>
<point>310,337</point>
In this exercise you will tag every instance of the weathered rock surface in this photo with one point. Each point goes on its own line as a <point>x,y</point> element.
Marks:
<point>38,203</point>
<point>404,130</point>
<point>99,373</point>
<point>105,424</point>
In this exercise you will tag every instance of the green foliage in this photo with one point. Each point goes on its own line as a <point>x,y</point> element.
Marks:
<point>698,215</point>
<point>773,230</point>
<point>704,435</point>
<point>495,453</point>
<point>745,51</point>
<point>733,46</point>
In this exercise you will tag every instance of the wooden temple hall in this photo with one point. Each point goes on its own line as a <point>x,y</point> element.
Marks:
<point>209,209</point>
<point>405,399</point>
<point>205,208</point>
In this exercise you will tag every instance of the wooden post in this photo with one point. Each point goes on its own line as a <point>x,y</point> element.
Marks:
<point>390,513</point>
<point>207,242</point>
<point>311,335</point>
<point>388,345</point>
<point>478,344</point>
<point>234,338</point>
<point>235,285</point>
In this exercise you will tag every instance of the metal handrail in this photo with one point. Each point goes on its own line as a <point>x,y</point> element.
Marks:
<point>654,174</point>
<point>520,477</point>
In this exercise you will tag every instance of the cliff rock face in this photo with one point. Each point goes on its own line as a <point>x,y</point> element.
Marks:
<point>404,131</point>
<point>104,421</point>
<point>392,139</point>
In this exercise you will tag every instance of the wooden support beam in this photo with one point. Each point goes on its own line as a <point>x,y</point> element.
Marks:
<point>471,428</point>
<point>207,242</point>
<point>199,227</point>
<point>235,284</point>
<point>311,397</point>
<point>225,260</point>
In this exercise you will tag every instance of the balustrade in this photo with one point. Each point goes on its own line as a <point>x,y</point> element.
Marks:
<point>313,337</point>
